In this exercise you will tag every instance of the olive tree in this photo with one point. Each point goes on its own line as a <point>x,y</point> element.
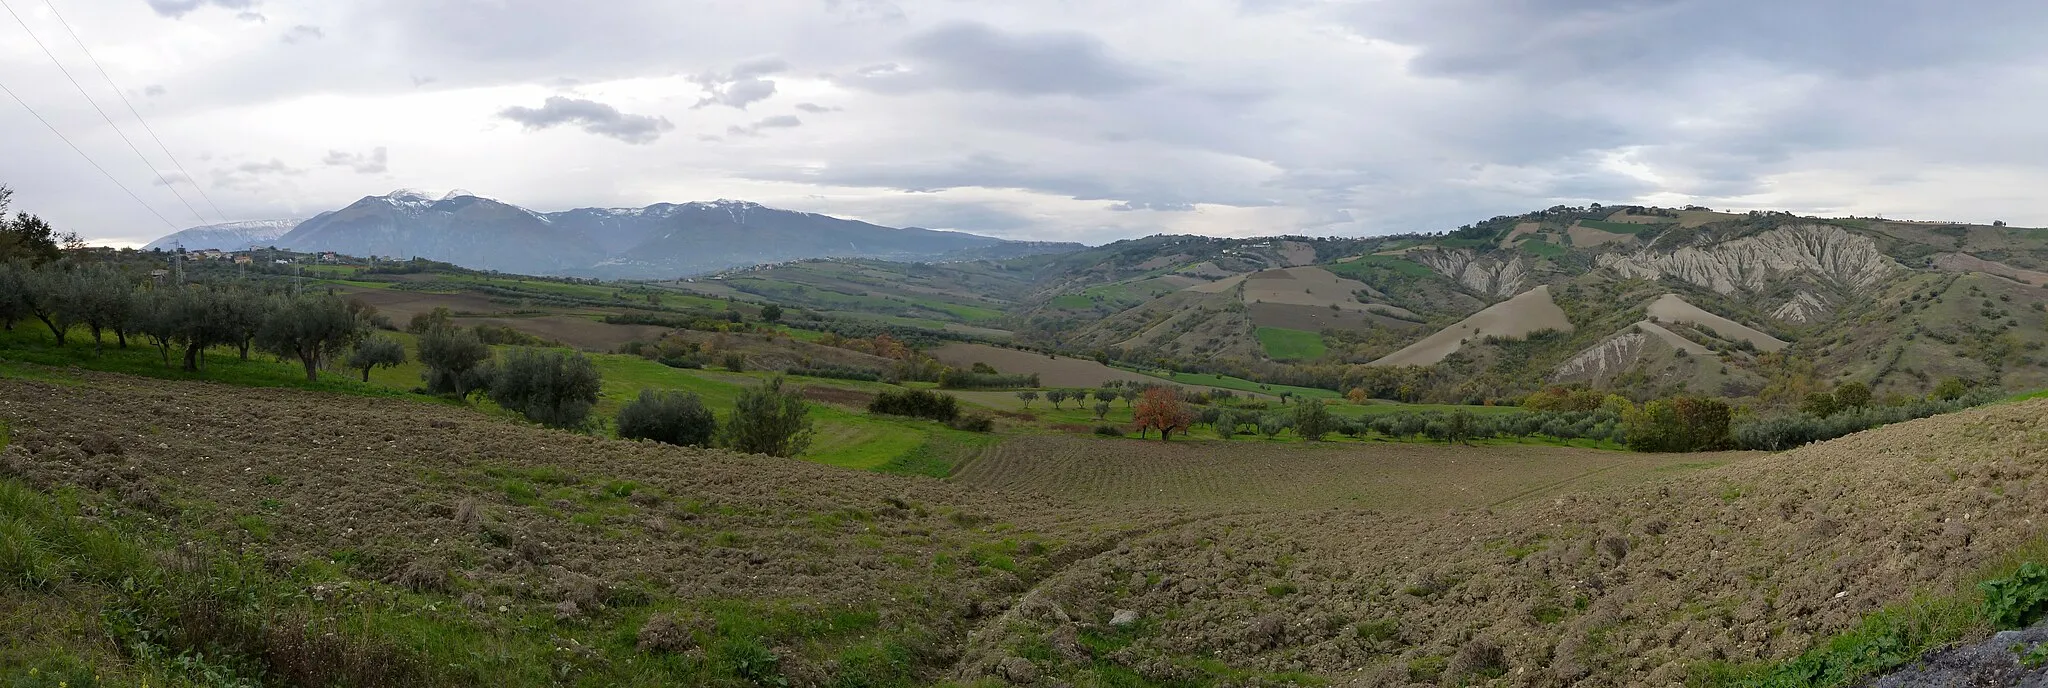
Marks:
<point>672,417</point>
<point>375,351</point>
<point>312,329</point>
<point>768,419</point>
<point>553,388</point>
<point>99,297</point>
<point>451,355</point>
<point>45,295</point>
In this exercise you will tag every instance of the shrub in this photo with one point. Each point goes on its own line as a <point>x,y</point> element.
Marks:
<point>917,403</point>
<point>500,334</point>
<point>1312,420</point>
<point>768,419</point>
<point>672,417</point>
<point>957,379</point>
<point>1679,424</point>
<point>685,362</point>
<point>836,373</point>
<point>973,422</point>
<point>1109,431</point>
<point>553,388</point>
<point>1779,433</point>
<point>735,362</point>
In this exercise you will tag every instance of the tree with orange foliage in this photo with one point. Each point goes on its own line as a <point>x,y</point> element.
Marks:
<point>1161,408</point>
<point>1357,395</point>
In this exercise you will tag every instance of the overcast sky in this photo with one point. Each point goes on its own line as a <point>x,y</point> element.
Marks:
<point>1046,119</point>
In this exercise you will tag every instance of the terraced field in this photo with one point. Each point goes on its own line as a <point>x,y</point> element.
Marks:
<point>1388,477</point>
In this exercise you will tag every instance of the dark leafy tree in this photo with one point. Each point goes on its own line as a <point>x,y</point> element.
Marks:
<point>553,388</point>
<point>451,355</point>
<point>376,351</point>
<point>672,417</point>
<point>771,313</point>
<point>1312,420</point>
<point>769,418</point>
<point>47,297</point>
<point>312,329</point>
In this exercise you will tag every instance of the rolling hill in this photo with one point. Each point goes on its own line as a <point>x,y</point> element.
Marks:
<point>1648,301</point>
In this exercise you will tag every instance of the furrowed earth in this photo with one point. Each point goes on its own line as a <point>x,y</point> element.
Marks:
<point>412,530</point>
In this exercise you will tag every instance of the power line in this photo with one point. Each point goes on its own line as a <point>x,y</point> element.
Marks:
<point>138,115</point>
<point>88,158</point>
<point>103,113</point>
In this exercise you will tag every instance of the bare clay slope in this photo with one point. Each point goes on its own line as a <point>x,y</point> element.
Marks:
<point>1757,560</point>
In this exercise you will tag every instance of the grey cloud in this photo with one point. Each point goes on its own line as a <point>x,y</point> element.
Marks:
<point>152,90</point>
<point>1583,39</point>
<point>1129,206</point>
<point>991,171</point>
<point>742,86</point>
<point>775,122</point>
<point>815,108</point>
<point>303,32</point>
<point>418,81</point>
<point>180,8</point>
<point>760,67</point>
<point>970,56</point>
<point>591,116</point>
<point>377,161</point>
<point>254,175</point>
<point>273,166</point>
<point>167,178</point>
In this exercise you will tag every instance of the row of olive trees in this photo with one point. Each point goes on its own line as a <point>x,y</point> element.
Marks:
<point>315,330</point>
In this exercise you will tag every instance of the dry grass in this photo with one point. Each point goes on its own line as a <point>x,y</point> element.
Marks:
<point>1674,309</point>
<point>1527,312</point>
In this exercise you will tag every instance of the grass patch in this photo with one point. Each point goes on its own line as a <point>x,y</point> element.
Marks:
<point>1539,246</point>
<point>1625,227</point>
<point>1364,266</point>
<point>1900,633</point>
<point>1282,344</point>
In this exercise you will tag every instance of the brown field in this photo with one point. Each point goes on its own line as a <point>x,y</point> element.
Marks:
<point>1357,565</point>
<point>1964,262</point>
<point>1296,253</point>
<point>1315,319</point>
<point>1218,286</point>
<point>1238,474</point>
<point>401,305</point>
<point>1672,308</point>
<point>575,331</point>
<point>1588,237</point>
<point>1065,371</point>
<point>1527,312</point>
<point>1519,230</point>
<point>1303,287</point>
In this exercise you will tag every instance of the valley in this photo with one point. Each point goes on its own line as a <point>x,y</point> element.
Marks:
<point>1565,448</point>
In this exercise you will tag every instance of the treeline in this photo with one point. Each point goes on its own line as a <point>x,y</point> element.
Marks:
<point>108,302</point>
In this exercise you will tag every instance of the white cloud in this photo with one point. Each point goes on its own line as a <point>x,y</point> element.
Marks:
<point>1088,121</point>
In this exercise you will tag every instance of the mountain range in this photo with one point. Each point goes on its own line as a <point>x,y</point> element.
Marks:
<point>665,240</point>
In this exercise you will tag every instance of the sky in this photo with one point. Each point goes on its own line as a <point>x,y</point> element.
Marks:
<point>1065,120</point>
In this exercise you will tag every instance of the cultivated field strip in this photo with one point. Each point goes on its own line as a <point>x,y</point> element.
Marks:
<point>1250,474</point>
